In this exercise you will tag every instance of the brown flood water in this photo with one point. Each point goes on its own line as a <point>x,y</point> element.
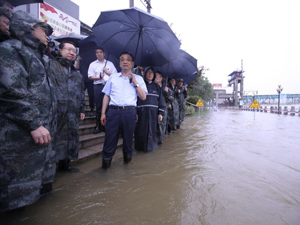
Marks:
<point>221,168</point>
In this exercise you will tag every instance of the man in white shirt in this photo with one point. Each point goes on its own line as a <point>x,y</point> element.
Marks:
<point>99,71</point>
<point>121,92</point>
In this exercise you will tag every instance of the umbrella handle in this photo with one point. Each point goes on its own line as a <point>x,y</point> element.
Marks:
<point>105,63</point>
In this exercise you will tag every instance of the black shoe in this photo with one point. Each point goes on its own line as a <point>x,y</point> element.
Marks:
<point>127,159</point>
<point>177,126</point>
<point>46,188</point>
<point>106,164</point>
<point>169,129</point>
<point>96,131</point>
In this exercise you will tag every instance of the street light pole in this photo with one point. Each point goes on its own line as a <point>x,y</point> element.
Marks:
<point>279,90</point>
<point>131,3</point>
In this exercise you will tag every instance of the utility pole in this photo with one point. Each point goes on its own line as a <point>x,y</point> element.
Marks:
<point>148,2</point>
<point>131,3</point>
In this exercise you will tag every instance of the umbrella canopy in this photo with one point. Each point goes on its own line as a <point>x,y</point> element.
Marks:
<point>16,3</point>
<point>75,38</point>
<point>184,66</point>
<point>87,53</point>
<point>148,38</point>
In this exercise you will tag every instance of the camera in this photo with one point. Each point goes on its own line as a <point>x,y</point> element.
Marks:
<point>51,44</point>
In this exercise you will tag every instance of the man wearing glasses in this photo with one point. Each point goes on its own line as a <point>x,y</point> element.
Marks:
<point>69,91</point>
<point>121,92</point>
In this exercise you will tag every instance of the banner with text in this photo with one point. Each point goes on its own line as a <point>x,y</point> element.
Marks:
<point>61,22</point>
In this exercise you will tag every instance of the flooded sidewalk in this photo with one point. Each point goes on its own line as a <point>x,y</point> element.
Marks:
<point>220,168</point>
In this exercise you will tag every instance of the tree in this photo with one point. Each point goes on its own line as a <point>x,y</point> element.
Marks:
<point>201,86</point>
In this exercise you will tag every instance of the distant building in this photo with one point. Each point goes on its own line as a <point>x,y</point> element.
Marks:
<point>237,81</point>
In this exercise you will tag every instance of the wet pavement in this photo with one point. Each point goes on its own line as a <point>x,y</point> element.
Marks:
<point>224,167</point>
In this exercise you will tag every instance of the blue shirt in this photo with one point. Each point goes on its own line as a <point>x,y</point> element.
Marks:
<point>121,91</point>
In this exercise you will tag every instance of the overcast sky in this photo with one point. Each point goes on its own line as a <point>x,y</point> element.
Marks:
<point>264,33</point>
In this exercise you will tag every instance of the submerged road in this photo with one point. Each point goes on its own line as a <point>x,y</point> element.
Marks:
<point>221,168</point>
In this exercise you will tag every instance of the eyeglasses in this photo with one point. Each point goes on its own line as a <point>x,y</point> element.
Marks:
<point>125,59</point>
<point>71,50</point>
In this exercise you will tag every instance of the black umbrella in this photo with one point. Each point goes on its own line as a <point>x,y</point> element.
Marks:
<point>87,53</point>
<point>75,38</point>
<point>148,38</point>
<point>16,3</point>
<point>184,66</point>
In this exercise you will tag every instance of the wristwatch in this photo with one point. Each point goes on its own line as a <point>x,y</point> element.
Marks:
<point>136,86</point>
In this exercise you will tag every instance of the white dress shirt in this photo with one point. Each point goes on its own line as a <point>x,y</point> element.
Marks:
<point>96,68</point>
<point>121,91</point>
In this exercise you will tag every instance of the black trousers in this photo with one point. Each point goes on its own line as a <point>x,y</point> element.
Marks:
<point>119,120</point>
<point>89,86</point>
<point>98,98</point>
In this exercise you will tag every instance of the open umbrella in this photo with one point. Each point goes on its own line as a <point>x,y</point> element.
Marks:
<point>75,38</point>
<point>16,3</point>
<point>184,66</point>
<point>87,53</point>
<point>148,38</point>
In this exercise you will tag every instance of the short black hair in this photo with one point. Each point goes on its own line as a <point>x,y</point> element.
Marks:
<point>62,44</point>
<point>159,72</point>
<point>99,48</point>
<point>127,53</point>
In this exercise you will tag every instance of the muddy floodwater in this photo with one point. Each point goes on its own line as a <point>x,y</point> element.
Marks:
<point>225,167</point>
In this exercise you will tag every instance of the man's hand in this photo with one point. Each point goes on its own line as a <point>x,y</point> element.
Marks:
<point>103,119</point>
<point>82,116</point>
<point>160,117</point>
<point>132,76</point>
<point>105,70</point>
<point>41,136</point>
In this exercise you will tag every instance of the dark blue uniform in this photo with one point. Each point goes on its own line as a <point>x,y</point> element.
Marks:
<point>148,111</point>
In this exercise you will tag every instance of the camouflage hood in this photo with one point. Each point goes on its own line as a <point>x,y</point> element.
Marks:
<point>5,12</point>
<point>21,25</point>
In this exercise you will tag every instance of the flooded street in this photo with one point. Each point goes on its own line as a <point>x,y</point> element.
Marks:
<point>222,168</point>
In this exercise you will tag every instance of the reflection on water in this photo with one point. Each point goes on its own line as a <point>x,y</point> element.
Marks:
<point>222,168</point>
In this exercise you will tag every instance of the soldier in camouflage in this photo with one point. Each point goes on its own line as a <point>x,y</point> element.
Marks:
<point>69,90</point>
<point>173,113</point>
<point>27,114</point>
<point>5,16</point>
<point>181,95</point>
<point>162,125</point>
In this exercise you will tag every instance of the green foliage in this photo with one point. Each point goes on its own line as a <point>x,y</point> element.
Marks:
<point>201,87</point>
<point>193,99</point>
<point>189,110</point>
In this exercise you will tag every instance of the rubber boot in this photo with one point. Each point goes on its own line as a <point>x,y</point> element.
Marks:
<point>106,163</point>
<point>126,158</point>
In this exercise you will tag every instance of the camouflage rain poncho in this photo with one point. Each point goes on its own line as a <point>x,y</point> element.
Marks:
<point>69,90</point>
<point>26,103</point>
